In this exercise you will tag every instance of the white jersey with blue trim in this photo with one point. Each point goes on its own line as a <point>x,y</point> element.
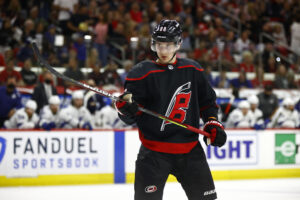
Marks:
<point>236,119</point>
<point>108,118</point>
<point>20,120</point>
<point>47,116</point>
<point>72,117</point>
<point>285,118</point>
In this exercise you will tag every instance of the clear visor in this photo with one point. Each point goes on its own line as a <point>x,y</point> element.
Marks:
<point>165,46</point>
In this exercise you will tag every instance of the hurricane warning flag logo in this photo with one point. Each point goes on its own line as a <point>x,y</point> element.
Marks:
<point>2,148</point>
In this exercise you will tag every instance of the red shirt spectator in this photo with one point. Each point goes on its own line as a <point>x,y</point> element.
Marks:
<point>2,62</point>
<point>135,13</point>
<point>9,71</point>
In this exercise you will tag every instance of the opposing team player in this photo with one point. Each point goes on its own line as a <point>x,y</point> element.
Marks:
<point>24,118</point>
<point>241,117</point>
<point>49,116</point>
<point>178,89</point>
<point>76,115</point>
<point>257,120</point>
<point>286,116</point>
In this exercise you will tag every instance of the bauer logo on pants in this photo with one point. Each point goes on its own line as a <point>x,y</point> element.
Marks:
<point>2,148</point>
<point>287,148</point>
<point>150,189</point>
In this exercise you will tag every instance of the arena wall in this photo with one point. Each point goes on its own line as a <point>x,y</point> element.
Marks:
<point>108,156</point>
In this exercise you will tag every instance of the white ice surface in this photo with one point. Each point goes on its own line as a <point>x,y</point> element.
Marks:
<point>267,189</point>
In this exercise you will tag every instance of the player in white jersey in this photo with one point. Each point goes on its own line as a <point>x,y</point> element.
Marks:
<point>286,116</point>
<point>76,115</point>
<point>257,122</point>
<point>24,118</point>
<point>49,115</point>
<point>240,117</point>
<point>108,118</point>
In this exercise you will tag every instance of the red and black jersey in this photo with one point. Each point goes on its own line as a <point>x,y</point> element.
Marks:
<point>179,91</point>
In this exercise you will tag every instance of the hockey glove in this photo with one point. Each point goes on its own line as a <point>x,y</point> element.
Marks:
<point>128,108</point>
<point>217,134</point>
<point>48,126</point>
<point>87,126</point>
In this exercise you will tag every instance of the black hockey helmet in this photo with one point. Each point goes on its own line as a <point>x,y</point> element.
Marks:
<point>167,31</point>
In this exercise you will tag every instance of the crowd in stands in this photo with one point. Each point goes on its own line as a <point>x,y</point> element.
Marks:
<point>77,34</point>
<point>87,110</point>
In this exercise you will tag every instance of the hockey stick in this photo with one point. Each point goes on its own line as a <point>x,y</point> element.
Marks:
<point>43,63</point>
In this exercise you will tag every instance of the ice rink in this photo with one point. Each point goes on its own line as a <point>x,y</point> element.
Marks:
<point>267,189</point>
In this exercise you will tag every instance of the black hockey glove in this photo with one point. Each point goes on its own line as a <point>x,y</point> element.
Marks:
<point>129,107</point>
<point>216,130</point>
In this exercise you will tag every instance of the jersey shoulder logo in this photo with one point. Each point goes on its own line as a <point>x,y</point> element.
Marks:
<point>178,105</point>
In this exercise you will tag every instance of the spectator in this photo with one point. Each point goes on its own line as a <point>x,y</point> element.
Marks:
<point>50,35</point>
<point>10,99</point>
<point>222,81</point>
<point>247,62</point>
<point>28,76</point>
<point>271,66</point>
<point>286,116</point>
<point>93,58</point>
<point>292,84</point>
<point>101,30</point>
<point>118,36</point>
<point>28,32</point>
<point>43,91</point>
<point>268,60</point>
<point>258,81</point>
<point>209,76</point>
<point>96,75</point>
<point>73,72</point>
<point>241,81</point>
<point>241,117</point>
<point>111,76</point>
<point>92,101</point>
<point>24,118</point>
<point>6,31</point>
<point>10,71</point>
<point>49,115</point>
<point>127,66</point>
<point>243,43</point>
<point>186,41</point>
<point>80,47</point>
<point>80,20</point>
<point>135,13</point>
<point>268,102</point>
<point>65,9</point>
<point>295,35</point>
<point>76,115</point>
<point>281,81</point>
<point>25,51</point>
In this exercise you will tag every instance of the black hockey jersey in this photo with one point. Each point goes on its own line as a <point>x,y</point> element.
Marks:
<point>179,91</point>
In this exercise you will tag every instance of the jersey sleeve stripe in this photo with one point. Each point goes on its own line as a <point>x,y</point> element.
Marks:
<point>192,66</point>
<point>140,78</point>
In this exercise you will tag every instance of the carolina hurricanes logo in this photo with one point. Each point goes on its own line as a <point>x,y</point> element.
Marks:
<point>178,105</point>
<point>150,189</point>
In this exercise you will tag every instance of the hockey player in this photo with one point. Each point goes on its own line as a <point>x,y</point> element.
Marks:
<point>49,116</point>
<point>240,117</point>
<point>107,117</point>
<point>257,120</point>
<point>75,115</point>
<point>24,118</point>
<point>178,89</point>
<point>286,116</point>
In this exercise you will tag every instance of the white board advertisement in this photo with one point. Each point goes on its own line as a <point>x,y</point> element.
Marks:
<point>56,152</point>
